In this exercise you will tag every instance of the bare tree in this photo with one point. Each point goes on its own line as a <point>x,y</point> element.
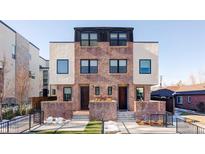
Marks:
<point>193,79</point>
<point>4,86</point>
<point>22,86</point>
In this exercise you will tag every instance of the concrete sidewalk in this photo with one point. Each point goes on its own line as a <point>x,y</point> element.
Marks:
<point>69,126</point>
<point>134,128</point>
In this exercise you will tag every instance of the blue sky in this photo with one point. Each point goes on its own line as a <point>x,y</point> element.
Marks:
<point>182,43</point>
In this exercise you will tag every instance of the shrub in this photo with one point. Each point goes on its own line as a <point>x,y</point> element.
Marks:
<point>201,107</point>
<point>8,115</point>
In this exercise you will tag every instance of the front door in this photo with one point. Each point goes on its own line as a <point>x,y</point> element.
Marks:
<point>122,98</point>
<point>84,97</point>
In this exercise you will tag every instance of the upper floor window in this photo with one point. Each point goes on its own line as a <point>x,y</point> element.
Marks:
<point>62,66</point>
<point>118,39</point>
<point>13,51</point>
<point>145,66</point>
<point>89,39</point>
<point>67,94</point>
<point>118,66</point>
<point>88,66</point>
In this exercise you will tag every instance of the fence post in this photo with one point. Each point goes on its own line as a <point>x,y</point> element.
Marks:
<point>197,129</point>
<point>40,117</point>
<point>102,129</point>
<point>7,126</point>
<point>29,121</point>
<point>176,125</point>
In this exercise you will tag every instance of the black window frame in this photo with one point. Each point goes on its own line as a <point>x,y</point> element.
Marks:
<point>140,72</point>
<point>142,95</point>
<point>109,90</point>
<point>89,66</point>
<point>89,39</point>
<point>118,40</point>
<point>97,90</point>
<point>118,70</point>
<point>64,98</point>
<point>67,72</point>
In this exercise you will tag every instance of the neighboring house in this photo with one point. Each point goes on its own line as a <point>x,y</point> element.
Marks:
<point>164,95</point>
<point>103,62</point>
<point>187,97</point>
<point>17,53</point>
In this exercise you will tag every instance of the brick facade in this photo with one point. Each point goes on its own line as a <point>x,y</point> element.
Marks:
<point>195,99</point>
<point>104,52</point>
<point>57,109</point>
<point>146,108</point>
<point>103,111</point>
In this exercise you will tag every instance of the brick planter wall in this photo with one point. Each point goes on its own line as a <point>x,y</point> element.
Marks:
<point>57,109</point>
<point>146,108</point>
<point>103,110</point>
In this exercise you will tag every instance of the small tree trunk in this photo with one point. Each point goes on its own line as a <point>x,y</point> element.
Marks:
<point>1,109</point>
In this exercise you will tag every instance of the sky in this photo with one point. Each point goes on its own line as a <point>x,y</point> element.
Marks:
<point>182,43</point>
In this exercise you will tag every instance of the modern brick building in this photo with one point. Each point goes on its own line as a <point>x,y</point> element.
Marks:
<point>103,62</point>
<point>19,56</point>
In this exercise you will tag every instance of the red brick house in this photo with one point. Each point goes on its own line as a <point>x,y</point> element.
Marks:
<point>191,97</point>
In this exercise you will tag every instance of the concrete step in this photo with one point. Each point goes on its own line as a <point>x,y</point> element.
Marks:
<point>80,117</point>
<point>127,116</point>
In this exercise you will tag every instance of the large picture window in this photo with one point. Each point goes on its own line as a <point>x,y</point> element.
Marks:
<point>118,39</point>
<point>145,66</point>
<point>88,66</point>
<point>62,66</point>
<point>67,93</point>
<point>89,39</point>
<point>118,66</point>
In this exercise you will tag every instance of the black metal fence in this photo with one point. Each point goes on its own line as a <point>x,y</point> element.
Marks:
<point>184,127</point>
<point>21,124</point>
<point>158,119</point>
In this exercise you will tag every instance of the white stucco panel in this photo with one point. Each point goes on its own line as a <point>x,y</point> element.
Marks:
<point>145,51</point>
<point>61,51</point>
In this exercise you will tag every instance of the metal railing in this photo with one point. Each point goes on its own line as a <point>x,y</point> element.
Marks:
<point>157,119</point>
<point>184,127</point>
<point>21,124</point>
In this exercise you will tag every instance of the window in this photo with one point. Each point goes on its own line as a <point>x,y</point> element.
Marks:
<point>118,39</point>
<point>139,94</point>
<point>189,99</point>
<point>13,51</point>
<point>67,93</point>
<point>88,66</point>
<point>109,91</point>
<point>45,77</point>
<point>145,66</point>
<point>53,92</point>
<point>62,66</point>
<point>179,100</point>
<point>89,39</point>
<point>97,90</point>
<point>118,66</point>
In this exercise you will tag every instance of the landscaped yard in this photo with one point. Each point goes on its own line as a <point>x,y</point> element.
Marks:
<point>93,127</point>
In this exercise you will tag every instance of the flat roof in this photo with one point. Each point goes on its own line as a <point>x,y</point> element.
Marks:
<point>103,28</point>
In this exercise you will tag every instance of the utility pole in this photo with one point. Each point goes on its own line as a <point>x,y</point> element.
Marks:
<point>161,77</point>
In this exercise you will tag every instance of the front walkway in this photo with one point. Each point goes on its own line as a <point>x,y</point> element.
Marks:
<point>68,126</point>
<point>134,128</point>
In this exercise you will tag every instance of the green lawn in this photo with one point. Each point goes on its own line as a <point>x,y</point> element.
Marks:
<point>93,127</point>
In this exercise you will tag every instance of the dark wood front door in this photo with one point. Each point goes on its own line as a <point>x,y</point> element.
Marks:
<point>122,98</point>
<point>84,97</point>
